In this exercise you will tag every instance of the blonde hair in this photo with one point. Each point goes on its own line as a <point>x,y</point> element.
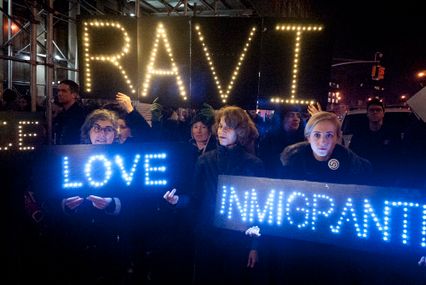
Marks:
<point>238,119</point>
<point>323,116</point>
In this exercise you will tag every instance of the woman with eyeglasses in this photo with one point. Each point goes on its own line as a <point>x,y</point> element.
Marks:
<point>94,247</point>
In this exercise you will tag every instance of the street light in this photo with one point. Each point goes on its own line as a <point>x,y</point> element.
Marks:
<point>421,77</point>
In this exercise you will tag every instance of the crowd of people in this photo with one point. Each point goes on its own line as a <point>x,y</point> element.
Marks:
<point>93,246</point>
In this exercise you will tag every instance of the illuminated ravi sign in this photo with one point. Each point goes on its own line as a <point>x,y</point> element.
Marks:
<point>21,132</point>
<point>219,61</point>
<point>356,216</point>
<point>89,169</point>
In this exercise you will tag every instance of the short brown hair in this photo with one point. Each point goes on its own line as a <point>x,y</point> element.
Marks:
<point>238,119</point>
<point>92,118</point>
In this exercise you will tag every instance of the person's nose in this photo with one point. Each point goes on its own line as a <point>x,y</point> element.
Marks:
<point>323,140</point>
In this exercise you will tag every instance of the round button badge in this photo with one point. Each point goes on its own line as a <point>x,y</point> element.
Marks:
<point>333,164</point>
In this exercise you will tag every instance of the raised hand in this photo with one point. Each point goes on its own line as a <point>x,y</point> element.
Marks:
<point>171,197</point>
<point>314,108</point>
<point>124,102</point>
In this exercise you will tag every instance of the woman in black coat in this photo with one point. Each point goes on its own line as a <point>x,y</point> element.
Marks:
<point>223,256</point>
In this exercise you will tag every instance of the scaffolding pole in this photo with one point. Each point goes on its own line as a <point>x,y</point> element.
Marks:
<point>33,59</point>
<point>49,71</point>
<point>9,46</point>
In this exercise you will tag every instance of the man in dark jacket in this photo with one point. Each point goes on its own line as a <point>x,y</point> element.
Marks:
<point>68,123</point>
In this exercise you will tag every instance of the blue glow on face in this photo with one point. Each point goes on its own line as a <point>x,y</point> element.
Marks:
<point>308,211</point>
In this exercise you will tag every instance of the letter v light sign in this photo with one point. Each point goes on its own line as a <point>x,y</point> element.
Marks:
<point>224,93</point>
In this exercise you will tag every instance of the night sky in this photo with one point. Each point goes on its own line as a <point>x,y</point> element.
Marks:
<point>398,30</point>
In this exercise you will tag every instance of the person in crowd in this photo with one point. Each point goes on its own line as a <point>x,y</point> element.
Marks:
<point>222,256</point>
<point>321,158</point>
<point>201,132</point>
<point>23,103</point>
<point>68,123</point>
<point>289,132</point>
<point>133,128</point>
<point>261,125</point>
<point>93,236</point>
<point>166,126</point>
<point>9,100</point>
<point>378,143</point>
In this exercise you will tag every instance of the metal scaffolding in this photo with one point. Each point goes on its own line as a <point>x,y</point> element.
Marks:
<point>38,39</point>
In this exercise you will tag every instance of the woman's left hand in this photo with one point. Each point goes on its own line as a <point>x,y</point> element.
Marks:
<point>252,258</point>
<point>171,197</point>
<point>99,202</point>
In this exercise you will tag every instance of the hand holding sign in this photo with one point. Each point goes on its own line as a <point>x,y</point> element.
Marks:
<point>73,202</point>
<point>252,258</point>
<point>99,202</point>
<point>171,197</point>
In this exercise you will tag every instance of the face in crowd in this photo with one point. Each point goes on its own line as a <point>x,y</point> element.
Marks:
<point>323,139</point>
<point>291,121</point>
<point>227,136</point>
<point>200,132</point>
<point>124,131</point>
<point>375,113</point>
<point>102,132</point>
<point>65,96</point>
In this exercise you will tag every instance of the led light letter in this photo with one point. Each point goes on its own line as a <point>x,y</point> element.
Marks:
<point>114,59</point>
<point>344,217</point>
<point>405,234</point>
<point>293,196</point>
<point>224,93</point>
<point>88,170</point>
<point>299,30</point>
<point>9,145</point>
<point>269,207</point>
<point>149,169</point>
<point>128,177</point>
<point>243,210</point>
<point>315,208</point>
<point>21,134</point>
<point>423,242</point>
<point>66,173</point>
<point>153,71</point>
<point>369,212</point>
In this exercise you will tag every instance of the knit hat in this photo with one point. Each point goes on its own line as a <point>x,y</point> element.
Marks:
<point>204,115</point>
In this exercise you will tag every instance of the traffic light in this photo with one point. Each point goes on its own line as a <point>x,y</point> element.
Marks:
<point>377,72</point>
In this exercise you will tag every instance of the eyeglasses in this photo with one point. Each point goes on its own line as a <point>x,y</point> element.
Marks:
<point>107,130</point>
